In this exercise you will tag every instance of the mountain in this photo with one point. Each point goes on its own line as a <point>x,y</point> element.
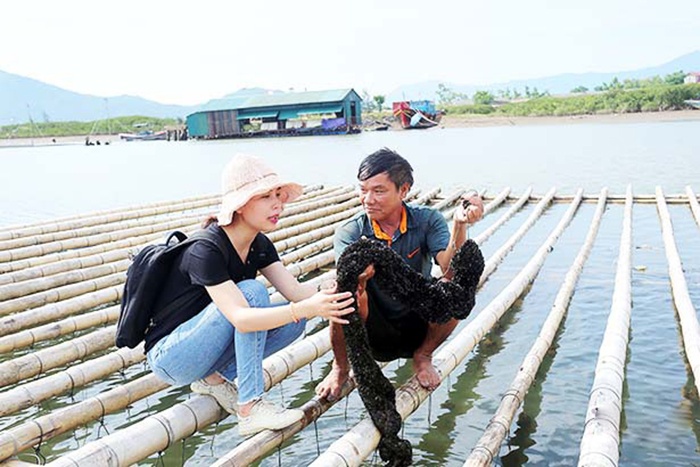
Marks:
<point>558,84</point>
<point>23,97</point>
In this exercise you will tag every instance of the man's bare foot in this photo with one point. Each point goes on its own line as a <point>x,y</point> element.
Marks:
<point>331,385</point>
<point>427,374</point>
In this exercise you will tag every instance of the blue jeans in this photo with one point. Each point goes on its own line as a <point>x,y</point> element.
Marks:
<point>209,343</point>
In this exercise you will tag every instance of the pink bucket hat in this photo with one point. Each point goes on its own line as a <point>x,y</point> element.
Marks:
<point>248,176</point>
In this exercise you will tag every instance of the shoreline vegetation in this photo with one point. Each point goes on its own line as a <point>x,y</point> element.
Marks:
<point>616,105</point>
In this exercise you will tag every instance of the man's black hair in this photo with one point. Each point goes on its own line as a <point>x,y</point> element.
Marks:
<point>386,160</point>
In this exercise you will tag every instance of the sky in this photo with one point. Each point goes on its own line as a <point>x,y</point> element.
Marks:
<point>190,52</point>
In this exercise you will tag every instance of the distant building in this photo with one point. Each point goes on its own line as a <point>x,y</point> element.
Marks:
<point>296,113</point>
<point>692,77</point>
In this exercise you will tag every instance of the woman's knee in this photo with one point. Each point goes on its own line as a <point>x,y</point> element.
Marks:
<point>255,293</point>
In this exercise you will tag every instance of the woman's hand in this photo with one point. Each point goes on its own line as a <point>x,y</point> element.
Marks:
<point>328,305</point>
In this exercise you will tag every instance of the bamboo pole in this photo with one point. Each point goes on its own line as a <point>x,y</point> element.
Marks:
<point>129,212</point>
<point>344,195</point>
<point>44,314</point>
<point>60,293</point>
<point>35,363</point>
<point>32,393</point>
<point>159,431</point>
<point>600,443</point>
<point>101,217</point>
<point>68,325</point>
<point>506,247</point>
<point>358,443</point>
<point>19,265</point>
<point>93,240</point>
<point>51,269</point>
<point>16,439</point>
<point>694,206</point>
<point>42,284</point>
<point>488,446</point>
<point>253,448</point>
<point>483,236</point>
<point>690,328</point>
<point>92,230</point>
<point>16,266</point>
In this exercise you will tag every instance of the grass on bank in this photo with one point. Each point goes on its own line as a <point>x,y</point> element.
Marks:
<point>652,99</point>
<point>132,124</point>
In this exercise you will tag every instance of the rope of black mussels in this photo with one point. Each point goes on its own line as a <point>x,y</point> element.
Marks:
<point>435,301</point>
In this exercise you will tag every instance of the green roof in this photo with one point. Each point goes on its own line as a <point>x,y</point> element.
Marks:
<point>276,100</point>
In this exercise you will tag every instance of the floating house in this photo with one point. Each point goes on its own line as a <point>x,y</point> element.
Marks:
<point>281,114</point>
<point>692,77</point>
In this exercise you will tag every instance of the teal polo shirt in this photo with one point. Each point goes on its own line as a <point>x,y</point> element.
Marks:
<point>426,235</point>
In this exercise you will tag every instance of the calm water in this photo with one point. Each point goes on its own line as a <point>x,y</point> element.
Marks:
<point>57,181</point>
<point>661,423</point>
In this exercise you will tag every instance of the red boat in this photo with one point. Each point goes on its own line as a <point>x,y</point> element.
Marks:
<point>416,114</point>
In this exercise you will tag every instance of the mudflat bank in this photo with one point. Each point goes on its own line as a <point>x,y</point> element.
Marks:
<point>465,121</point>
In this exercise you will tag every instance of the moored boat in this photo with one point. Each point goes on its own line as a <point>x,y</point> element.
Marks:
<point>144,136</point>
<point>416,114</point>
<point>693,103</point>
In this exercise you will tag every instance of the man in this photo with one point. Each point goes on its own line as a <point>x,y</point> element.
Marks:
<point>418,234</point>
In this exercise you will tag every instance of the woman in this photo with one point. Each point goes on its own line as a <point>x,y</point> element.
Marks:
<point>226,325</point>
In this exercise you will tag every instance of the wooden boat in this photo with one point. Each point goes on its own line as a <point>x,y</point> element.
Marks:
<point>693,103</point>
<point>416,114</point>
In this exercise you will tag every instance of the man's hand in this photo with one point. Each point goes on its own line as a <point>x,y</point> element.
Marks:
<point>470,210</point>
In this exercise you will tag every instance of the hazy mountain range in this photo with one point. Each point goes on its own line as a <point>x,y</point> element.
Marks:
<point>22,97</point>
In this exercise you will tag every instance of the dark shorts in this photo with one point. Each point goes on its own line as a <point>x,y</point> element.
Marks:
<point>395,338</point>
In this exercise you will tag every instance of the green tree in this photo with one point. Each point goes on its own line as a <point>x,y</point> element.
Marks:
<point>367,102</point>
<point>483,97</point>
<point>579,89</point>
<point>675,78</point>
<point>447,96</point>
<point>379,101</point>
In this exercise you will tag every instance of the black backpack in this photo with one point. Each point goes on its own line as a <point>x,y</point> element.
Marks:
<point>145,280</point>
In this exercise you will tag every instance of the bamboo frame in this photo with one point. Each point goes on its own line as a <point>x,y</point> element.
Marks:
<point>51,269</point>
<point>92,230</point>
<point>35,363</point>
<point>488,446</point>
<point>60,293</point>
<point>600,442</point>
<point>34,392</point>
<point>60,328</point>
<point>159,431</point>
<point>44,314</point>
<point>506,247</point>
<point>690,328</point>
<point>20,289</point>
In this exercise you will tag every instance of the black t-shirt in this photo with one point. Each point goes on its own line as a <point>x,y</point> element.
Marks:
<point>203,264</point>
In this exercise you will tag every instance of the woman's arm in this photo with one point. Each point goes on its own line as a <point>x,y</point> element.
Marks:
<point>230,300</point>
<point>286,283</point>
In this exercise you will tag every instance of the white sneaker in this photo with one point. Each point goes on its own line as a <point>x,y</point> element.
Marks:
<point>265,415</point>
<point>225,393</point>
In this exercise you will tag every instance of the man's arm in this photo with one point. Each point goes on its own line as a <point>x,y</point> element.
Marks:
<point>464,215</point>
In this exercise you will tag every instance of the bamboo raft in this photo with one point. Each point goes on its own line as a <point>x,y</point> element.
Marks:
<point>69,398</point>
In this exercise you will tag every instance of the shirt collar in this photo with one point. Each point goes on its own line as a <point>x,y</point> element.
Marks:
<point>403,226</point>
